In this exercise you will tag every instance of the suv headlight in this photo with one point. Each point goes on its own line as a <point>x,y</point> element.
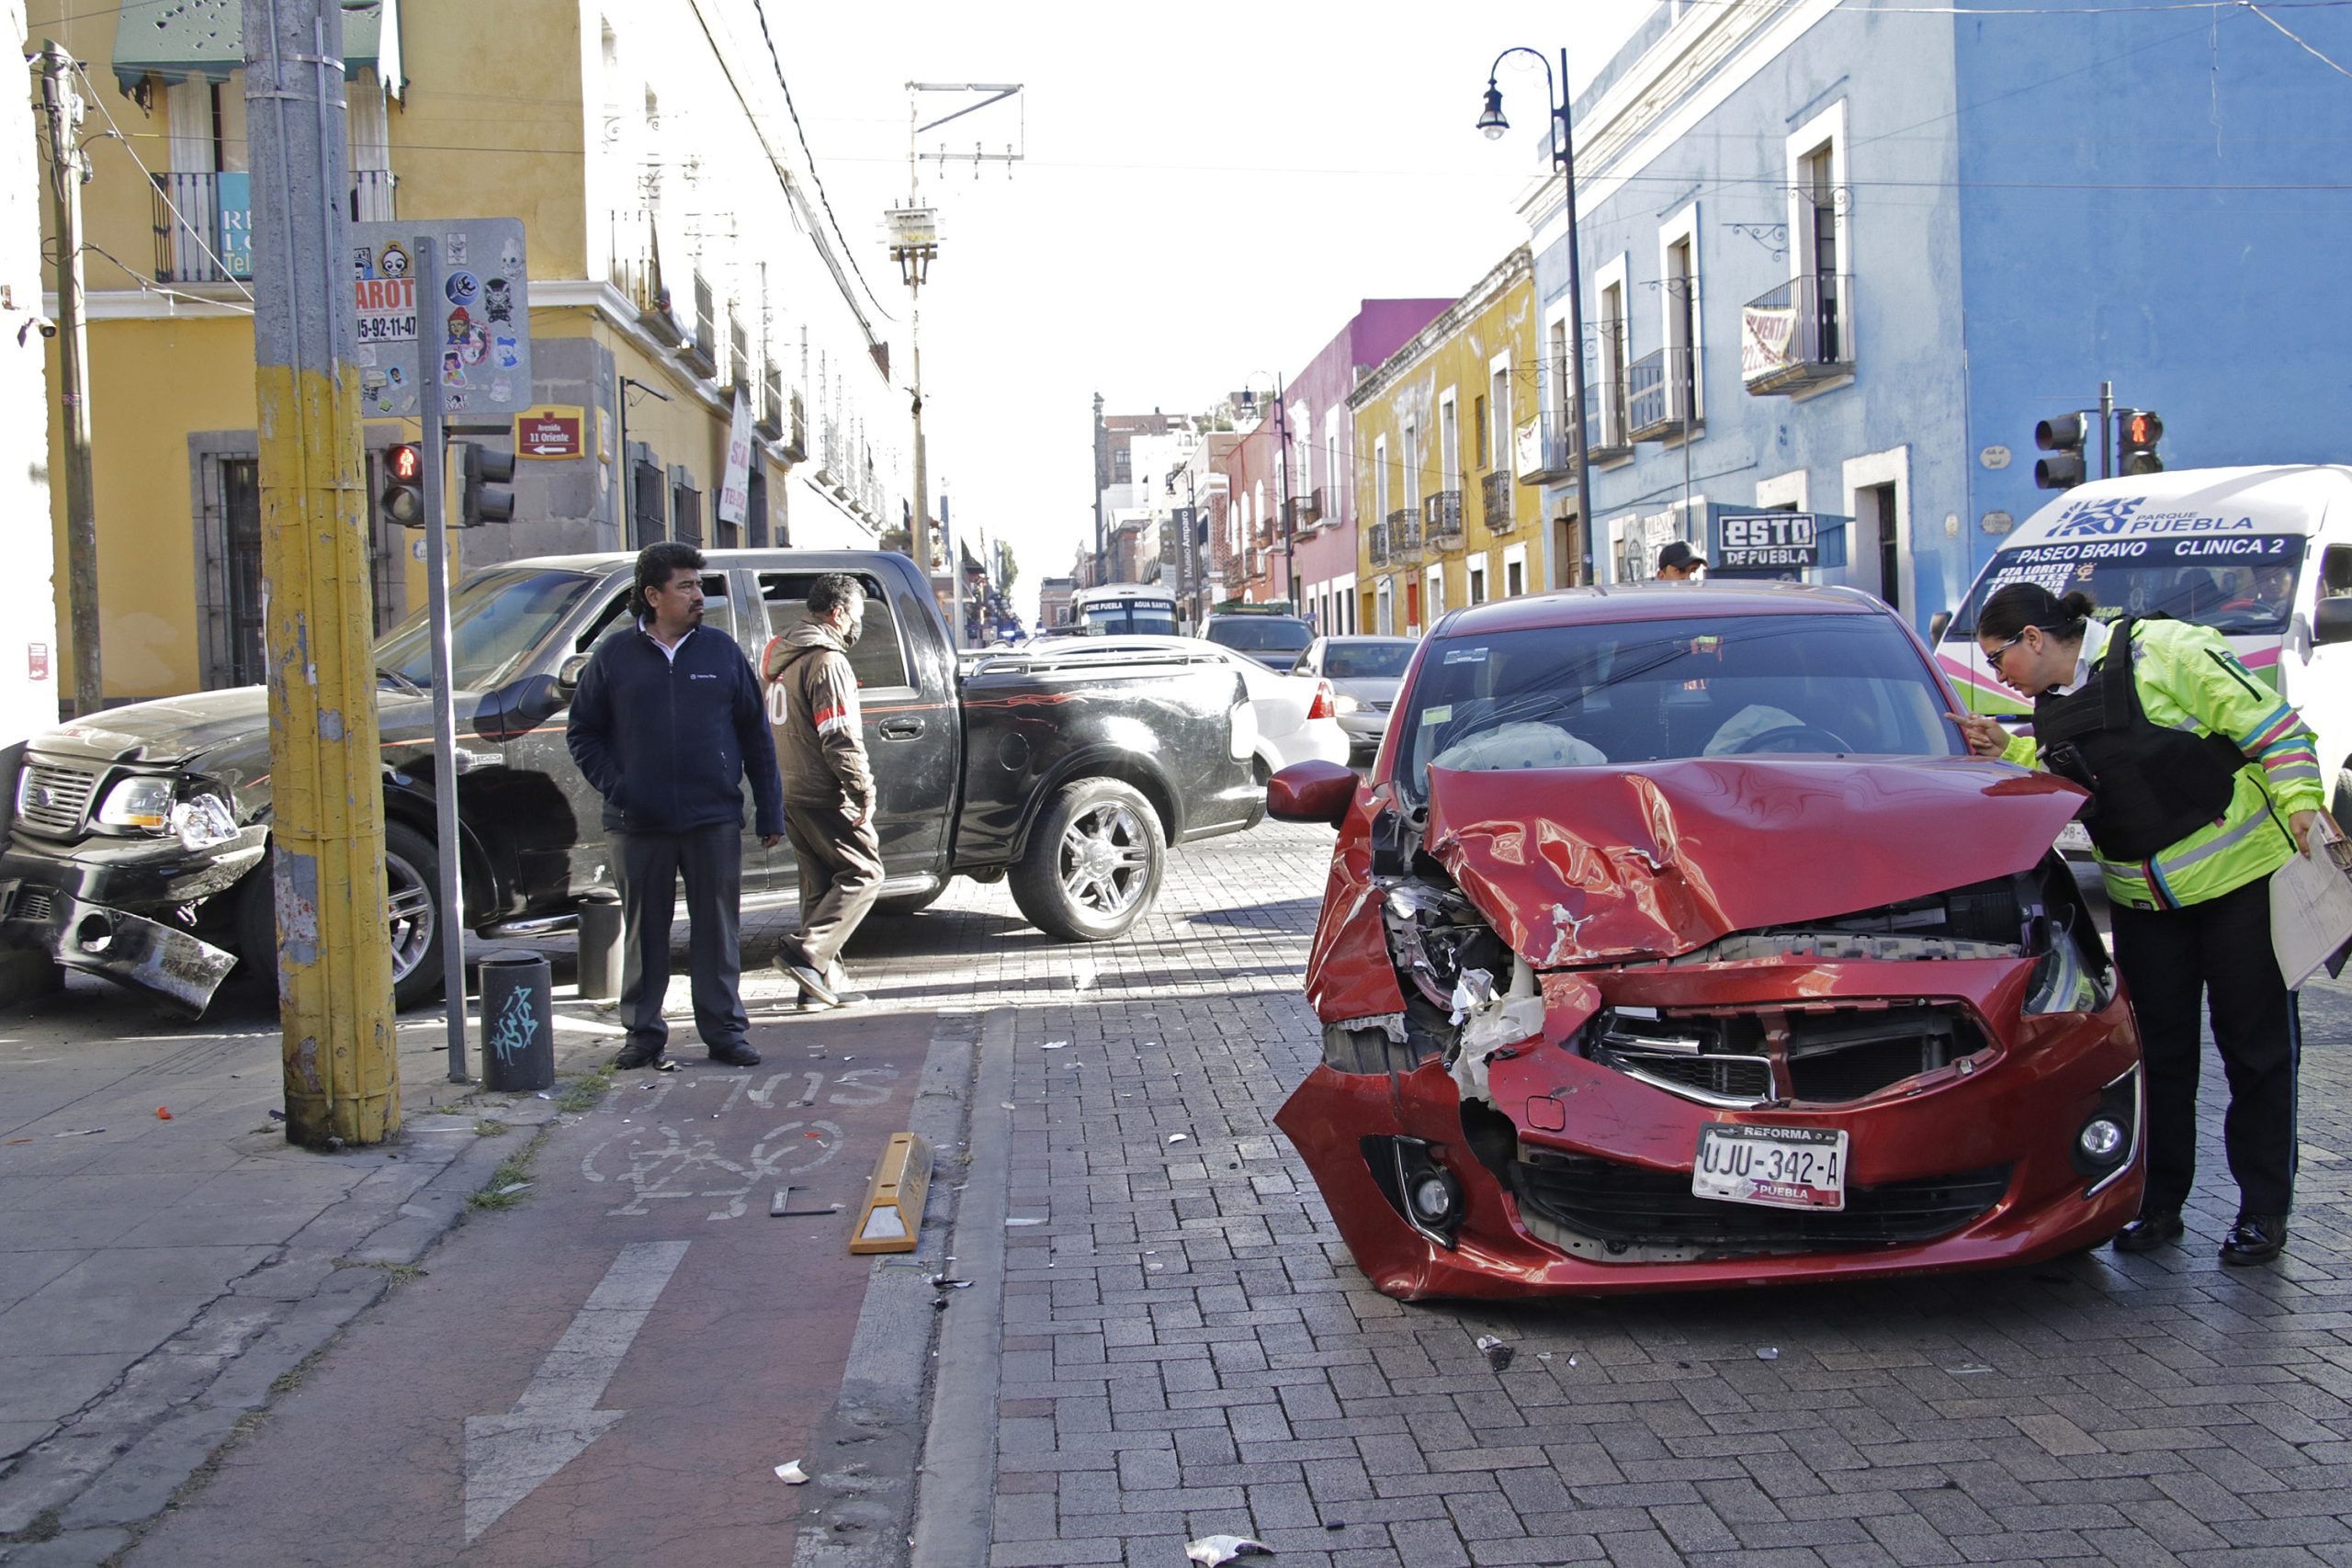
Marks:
<point>143,803</point>
<point>202,821</point>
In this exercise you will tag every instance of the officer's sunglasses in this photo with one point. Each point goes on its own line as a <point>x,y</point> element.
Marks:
<point>1995,657</point>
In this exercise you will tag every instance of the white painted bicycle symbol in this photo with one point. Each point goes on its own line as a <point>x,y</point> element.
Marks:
<point>668,1149</point>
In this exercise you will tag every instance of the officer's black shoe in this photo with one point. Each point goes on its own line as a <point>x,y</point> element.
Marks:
<point>735,1055</point>
<point>2153,1229</point>
<point>639,1054</point>
<point>2256,1238</point>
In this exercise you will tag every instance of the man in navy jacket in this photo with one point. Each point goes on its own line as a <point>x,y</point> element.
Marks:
<point>666,721</point>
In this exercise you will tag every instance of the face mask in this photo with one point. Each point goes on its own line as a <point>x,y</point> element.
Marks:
<point>856,627</point>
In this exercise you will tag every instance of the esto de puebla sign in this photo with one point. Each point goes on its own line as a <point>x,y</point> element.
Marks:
<point>1765,541</point>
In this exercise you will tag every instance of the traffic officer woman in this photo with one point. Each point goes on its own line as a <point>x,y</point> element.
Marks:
<point>2202,784</point>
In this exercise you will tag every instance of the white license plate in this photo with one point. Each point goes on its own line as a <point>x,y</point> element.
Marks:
<point>1781,1167</point>
<point>2075,838</point>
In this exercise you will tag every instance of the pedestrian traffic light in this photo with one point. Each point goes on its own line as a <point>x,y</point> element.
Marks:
<point>485,475</point>
<point>2062,438</point>
<point>2136,443</point>
<point>403,497</point>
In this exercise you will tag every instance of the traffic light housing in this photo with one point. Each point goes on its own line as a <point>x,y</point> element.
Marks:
<point>2136,436</point>
<point>485,474</point>
<point>2062,438</point>
<point>403,498</point>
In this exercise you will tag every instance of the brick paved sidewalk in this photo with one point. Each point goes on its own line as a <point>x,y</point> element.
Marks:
<point>1187,1348</point>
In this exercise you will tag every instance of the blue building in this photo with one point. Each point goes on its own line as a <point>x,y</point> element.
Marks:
<point>1839,257</point>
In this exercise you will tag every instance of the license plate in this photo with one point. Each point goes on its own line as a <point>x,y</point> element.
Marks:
<point>1781,1167</point>
<point>2075,838</point>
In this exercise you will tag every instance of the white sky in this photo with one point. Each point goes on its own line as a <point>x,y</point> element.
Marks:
<point>1206,197</point>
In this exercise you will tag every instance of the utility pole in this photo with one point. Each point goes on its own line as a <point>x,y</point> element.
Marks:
<point>63,105</point>
<point>334,970</point>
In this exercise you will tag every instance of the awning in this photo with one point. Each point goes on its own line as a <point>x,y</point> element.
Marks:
<point>182,40</point>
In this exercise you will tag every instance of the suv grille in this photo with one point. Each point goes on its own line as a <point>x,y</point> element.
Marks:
<point>1613,1202</point>
<point>52,801</point>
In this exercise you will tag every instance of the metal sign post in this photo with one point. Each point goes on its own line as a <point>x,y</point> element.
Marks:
<point>444,709</point>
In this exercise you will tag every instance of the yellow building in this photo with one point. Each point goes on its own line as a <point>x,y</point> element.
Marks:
<point>674,262</point>
<point>1442,521</point>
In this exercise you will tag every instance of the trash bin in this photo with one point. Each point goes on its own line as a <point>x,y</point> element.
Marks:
<point>600,945</point>
<point>517,1022</point>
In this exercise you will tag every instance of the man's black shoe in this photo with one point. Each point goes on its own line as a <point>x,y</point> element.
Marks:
<point>2256,1238</point>
<point>736,1055</point>
<point>639,1054</point>
<point>806,977</point>
<point>2153,1229</point>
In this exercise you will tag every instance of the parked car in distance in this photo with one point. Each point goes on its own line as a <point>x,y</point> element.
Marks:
<point>1364,672</point>
<point>1275,641</point>
<point>1297,716</point>
<point>1678,942</point>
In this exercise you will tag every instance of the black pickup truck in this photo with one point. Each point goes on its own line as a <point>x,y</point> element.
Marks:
<point>137,842</point>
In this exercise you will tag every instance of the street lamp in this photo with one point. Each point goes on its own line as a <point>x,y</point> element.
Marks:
<point>1563,158</point>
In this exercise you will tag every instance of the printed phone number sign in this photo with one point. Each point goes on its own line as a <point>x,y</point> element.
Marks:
<point>477,325</point>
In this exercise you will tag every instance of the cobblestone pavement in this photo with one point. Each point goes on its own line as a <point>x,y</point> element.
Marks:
<point>1187,1347</point>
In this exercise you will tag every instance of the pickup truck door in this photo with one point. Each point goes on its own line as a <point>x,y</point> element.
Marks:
<point>545,749</point>
<point>906,698</point>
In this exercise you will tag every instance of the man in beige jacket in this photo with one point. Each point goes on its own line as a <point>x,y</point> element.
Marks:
<point>828,786</point>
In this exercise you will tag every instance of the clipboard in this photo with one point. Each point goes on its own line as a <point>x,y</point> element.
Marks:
<point>2310,910</point>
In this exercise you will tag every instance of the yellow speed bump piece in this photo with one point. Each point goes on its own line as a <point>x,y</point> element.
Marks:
<point>892,1212</point>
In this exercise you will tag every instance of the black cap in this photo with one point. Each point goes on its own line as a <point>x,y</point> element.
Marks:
<point>1680,554</point>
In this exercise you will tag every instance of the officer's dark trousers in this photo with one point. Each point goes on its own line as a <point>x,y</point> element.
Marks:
<point>2221,949</point>
<point>840,876</point>
<point>647,867</point>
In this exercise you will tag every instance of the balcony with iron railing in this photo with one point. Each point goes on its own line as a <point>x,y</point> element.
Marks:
<point>1442,519</point>
<point>1662,396</point>
<point>208,240</point>
<point>1376,543</point>
<point>1404,534</point>
<point>635,269</point>
<point>1306,513</point>
<point>701,351</point>
<point>769,419</point>
<point>795,434</point>
<point>738,351</point>
<point>1497,502</point>
<point>1798,336</point>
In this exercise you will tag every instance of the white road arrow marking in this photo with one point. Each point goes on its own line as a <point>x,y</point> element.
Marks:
<point>508,1456</point>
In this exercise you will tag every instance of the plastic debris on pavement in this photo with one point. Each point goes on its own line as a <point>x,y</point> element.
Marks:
<point>1179,1137</point>
<point>1009,1223</point>
<point>163,1113</point>
<point>1212,1550</point>
<point>791,1475</point>
<point>512,1187</point>
<point>1054,1045</point>
<point>277,1116</point>
<point>94,1132</point>
<point>1499,1354</point>
<point>1768,1352</point>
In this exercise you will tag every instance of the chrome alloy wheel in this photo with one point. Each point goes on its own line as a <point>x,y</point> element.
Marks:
<point>1104,863</point>
<point>407,909</point>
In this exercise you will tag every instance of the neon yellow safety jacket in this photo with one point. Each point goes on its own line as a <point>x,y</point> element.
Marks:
<point>2188,679</point>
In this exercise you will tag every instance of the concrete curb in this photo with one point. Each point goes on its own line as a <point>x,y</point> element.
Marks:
<point>127,1455</point>
<point>864,1455</point>
<point>955,1522</point>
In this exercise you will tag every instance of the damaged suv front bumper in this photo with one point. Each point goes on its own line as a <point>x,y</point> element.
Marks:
<point>171,964</point>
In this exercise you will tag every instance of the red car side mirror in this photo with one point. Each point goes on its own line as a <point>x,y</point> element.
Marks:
<point>1311,792</point>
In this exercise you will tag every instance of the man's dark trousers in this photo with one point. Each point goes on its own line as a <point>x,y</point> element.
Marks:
<point>2222,947</point>
<point>648,866</point>
<point>841,875</point>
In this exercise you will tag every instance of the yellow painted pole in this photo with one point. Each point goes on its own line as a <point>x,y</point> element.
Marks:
<point>334,973</point>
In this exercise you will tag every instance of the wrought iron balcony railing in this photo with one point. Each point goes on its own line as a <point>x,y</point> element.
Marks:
<point>1497,500</point>
<point>1799,335</point>
<point>1661,396</point>
<point>1442,519</point>
<point>1404,534</point>
<point>1376,543</point>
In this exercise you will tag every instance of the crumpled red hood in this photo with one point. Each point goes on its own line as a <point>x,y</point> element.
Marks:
<point>1579,865</point>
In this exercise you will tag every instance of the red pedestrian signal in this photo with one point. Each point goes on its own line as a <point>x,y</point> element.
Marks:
<point>2137,445</point>
<point>403,498</point>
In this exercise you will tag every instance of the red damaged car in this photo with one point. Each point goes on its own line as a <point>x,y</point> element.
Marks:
<point>1678,942</point>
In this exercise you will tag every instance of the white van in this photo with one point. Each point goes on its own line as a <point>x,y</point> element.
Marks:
<point>2263,556</point>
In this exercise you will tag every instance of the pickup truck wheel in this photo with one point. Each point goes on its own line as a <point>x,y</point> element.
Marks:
<point>1093,862</point>
<point>411,908</point>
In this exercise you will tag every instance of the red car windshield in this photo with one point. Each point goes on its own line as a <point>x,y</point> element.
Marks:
<point>1594,695</point>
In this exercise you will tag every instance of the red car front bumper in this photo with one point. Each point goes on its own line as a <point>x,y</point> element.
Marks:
<point>1588,1191</point>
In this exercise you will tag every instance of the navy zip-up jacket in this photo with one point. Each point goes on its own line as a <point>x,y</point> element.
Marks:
<point>667,741</point>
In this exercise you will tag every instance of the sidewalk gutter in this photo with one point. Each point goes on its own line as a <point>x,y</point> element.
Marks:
<point>955,1521</point>
<point>863,1457</point>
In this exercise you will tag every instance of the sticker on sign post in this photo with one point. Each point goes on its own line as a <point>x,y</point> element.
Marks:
<point>474,336</point>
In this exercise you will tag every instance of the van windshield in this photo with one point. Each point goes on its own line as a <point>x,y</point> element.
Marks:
<point>2239,585</point>
<point>1131,618</point>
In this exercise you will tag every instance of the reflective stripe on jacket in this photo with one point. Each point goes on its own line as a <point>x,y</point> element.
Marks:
<point>2188,679</point>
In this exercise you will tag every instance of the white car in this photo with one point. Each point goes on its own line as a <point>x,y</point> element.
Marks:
<point>1298,716</point>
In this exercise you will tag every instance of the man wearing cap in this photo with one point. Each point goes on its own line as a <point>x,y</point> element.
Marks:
<point>1678,562</point>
